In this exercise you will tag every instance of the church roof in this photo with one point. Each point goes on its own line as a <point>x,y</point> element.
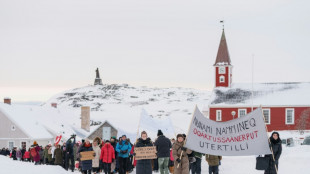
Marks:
<point>222,57</point>
<point>265,94</point>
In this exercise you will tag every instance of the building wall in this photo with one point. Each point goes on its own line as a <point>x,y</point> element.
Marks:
<point>277,116</point>
<point>99,131</point>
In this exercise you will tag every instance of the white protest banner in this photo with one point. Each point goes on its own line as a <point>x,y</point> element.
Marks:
<point>239,137</point>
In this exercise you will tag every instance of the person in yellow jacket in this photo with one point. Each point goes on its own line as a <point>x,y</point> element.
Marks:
<point>214,162</point>
<point>180,155</point>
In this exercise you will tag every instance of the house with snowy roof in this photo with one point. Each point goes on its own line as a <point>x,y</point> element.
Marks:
<point>21,125</point>
<point>286,106</point>
<point>19,128</point>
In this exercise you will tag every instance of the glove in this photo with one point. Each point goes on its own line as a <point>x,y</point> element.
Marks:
<point>134,154</point>
<point>94,154</point>
<point>123,151</point>
<point>178,160</point>
<point>183,148</point>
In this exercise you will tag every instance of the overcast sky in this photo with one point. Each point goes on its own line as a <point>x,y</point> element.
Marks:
<point>53,45</point>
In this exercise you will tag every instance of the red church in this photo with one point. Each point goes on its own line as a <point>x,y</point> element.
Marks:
<point>286,106</point>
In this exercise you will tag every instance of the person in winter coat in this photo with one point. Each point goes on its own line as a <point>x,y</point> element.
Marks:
<point>276,145</point>
<point>180,155</point>
<point>214,162</point>
<point>19,154</point>
<point>144,166</point>
<point>69,157</point>
<point>107,156</point>
<point>36,148</point>
<point>196,166</point>
<point>123,148</point>
<point>14,154</point>
<point>23,152</point>
<point>113,144</point>
<point>27,155</point>
<point>163,146</point>
<point>95,162</point>
<point>58,156</point>
<point>87,164</point>
<point>45,155</point>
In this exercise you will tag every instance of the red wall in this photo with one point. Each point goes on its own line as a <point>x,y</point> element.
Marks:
<point>217,78</point>
<point>277,116</point>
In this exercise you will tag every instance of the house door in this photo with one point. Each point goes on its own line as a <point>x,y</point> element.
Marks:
<point>106,133</point>
<point>23,144</point>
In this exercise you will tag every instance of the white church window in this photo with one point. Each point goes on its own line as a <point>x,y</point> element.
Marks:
<point>289,116</point>
<point>218,115</point>
<point>222,70</point>
<point>222,79</point>
<point>266,113</point>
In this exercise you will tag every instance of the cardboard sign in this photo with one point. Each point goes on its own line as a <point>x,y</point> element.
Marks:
<point>89,155</point>
<point>145,153</point>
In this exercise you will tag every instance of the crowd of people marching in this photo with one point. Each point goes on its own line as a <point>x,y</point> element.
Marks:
<point>117,155</point>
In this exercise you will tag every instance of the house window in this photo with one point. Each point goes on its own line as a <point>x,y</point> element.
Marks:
<point>23,144</point>
<point>241,112</point>
<point>222,70</point>
<point>11,145</point>
<point>266,113</point>
<point>13,127</point>
<point>218,115</point>
<point>289,116</point>
<point>222,79</point>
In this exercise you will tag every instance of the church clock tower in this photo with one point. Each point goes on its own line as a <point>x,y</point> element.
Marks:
<point>222,65</point>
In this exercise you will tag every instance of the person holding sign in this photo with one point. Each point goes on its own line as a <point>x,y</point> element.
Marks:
<point>123,148</point>
<point>214,162</point>
<point>276,145</point>
<point>86,164</point>
<point>180,155</point>
<point>144,166</point>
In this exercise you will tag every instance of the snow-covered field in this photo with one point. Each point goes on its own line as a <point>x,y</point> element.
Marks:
<point>294,160</point>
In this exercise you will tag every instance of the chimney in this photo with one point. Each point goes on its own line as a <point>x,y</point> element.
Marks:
<point>7,100</point>
<point>54,105</point>
<point>85,118</point>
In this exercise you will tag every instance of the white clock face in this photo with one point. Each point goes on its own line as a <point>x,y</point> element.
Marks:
<point>221,70</point>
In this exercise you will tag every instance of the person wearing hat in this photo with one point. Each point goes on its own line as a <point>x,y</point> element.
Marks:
<point>144,166</point>
<point>123,148</point>
<point>180,155</point>
<point>107,156</point>
<point>163,146</point>
<point>35,153</point>
<point>87,164</point>
<point>276,145</point>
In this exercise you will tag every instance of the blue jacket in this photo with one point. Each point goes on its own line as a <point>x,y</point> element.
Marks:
<point>123,148</point>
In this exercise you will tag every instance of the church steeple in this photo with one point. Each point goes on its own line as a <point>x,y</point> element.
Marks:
<point>223,57</point>
<point>223,67</point>
<point>98,80</point>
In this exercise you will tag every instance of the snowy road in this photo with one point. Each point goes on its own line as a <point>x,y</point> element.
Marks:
<point>294,160</point>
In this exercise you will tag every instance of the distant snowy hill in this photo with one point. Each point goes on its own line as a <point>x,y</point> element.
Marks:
<point>122,105</point>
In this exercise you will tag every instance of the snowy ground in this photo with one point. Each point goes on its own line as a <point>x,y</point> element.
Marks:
<point>294,160</point>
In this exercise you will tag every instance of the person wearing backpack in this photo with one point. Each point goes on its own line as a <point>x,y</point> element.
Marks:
<point>214,162</point>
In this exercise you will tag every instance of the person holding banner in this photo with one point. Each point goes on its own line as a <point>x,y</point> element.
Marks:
<point>144,166</point>
<point>276,146</point>
<point>214,162</point>
<point>180,155</point>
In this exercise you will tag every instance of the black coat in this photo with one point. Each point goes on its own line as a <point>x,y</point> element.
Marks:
<point>87,164</point>
<point>163,146</point>
<point>144,166</point>
<point>277,150</point>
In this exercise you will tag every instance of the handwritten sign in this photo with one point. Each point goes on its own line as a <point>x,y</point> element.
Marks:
<point>89,155</point>
<point>239,137</point>
<point>145,153</point>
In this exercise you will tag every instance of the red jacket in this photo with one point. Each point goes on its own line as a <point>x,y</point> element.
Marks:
<point>107,153</point>
<point>27,155</point>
